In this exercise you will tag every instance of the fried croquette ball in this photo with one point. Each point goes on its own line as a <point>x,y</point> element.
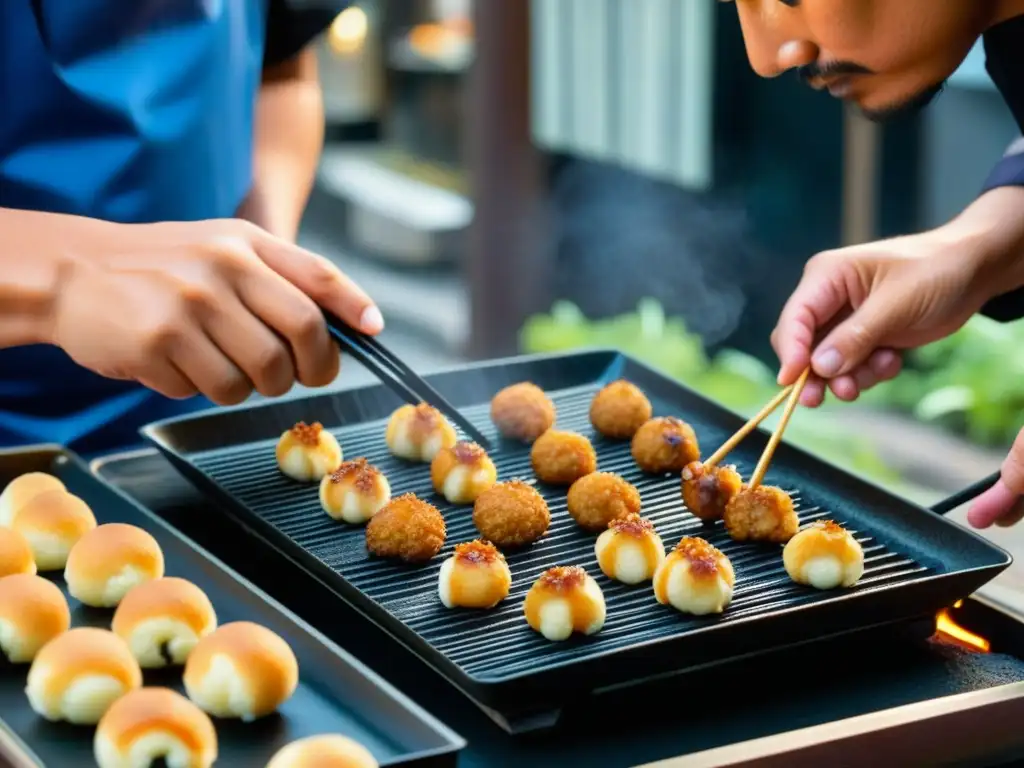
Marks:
<point>562,458</point>
<point>619,410</point>
<point>763,514</point>
<point>152,726</point>
<point>461,473</point>
<point>307,452</point>
<point>408,529</point>
<point>22,490</point>
<point>108,561</point>
<point>565,599</point>
<point>511,514</point>
<point>33,611</point>
<point>664,444</point>
<point>79,674</point>
<point>354,492</point>
<point>824,555</point>
<point>476,576</point>
<point>241,670</point>
<point>596,499</point>
<point>163,620</point>
<point>53,522</point>
<point>630,550</point>
<point>695,578</point>
<point>15,553</point>
<point>325,751</point>
<point>522,412</point>
<point>418,432</point>
<point>706,490</point>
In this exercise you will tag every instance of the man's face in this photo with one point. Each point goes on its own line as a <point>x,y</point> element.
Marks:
<point>886,56</point>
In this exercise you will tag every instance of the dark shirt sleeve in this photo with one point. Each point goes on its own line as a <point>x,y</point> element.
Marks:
<point>1009,172</point>
<point>294,24</point>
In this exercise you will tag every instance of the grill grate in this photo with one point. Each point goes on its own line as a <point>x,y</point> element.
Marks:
<point>497,644</point>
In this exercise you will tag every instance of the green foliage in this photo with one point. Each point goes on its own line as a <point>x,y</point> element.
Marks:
<point>734,379</point>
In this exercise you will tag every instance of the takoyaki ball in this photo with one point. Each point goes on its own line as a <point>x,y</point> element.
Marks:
<point>824,555</point>
<point>155,726</point>
<point>108,561</point>
<point>763,514</point>
<point>22,490</point>
<point>33,611</point>
<point>408,529</point>
<point>562,458</point>
<point>77,676</point>
<point>15,553</point>
<point>307,452</point>
<point>619,410</point>
<point>522,412</point>
<point>706,491</point>
<point>354,492</point>
<point>461,473</point>
<point>324,751</point>
<point>53,522</point>
<point>476,576</point>
<point>163,620</point>
<point>241,670</point>
<point>596,499</point>
<point>630,550</point>
<point>664,444</point>
<point>695,578</point>
<point>418,432</point>
<point>565,599</point>
<point>511,514</point>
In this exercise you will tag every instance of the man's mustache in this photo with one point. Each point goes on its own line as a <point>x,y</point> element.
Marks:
<point>814,70</point>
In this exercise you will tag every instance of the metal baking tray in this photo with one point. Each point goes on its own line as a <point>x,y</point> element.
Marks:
<point>336,693</point>
<point>916,561</point>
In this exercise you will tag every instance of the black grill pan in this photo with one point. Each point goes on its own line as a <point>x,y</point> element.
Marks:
<point>336,693</point>
<point>916,561</point>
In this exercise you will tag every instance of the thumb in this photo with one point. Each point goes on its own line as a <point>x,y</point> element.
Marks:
<point>1000,502</point>
<point>853,340</point>
<point>323,282</point>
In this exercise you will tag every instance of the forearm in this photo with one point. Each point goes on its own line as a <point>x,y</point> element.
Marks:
<point>289,137</point>
<point>990,232</point>
<point>32,259</point>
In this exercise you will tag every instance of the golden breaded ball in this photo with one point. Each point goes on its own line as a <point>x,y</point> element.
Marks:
<point>600,497</point>
<point>511,514</point>
<point>562,458</point>
<point>408,529</point>
<point>665,444</point>
<point>619,410</point>
<point>522,412</point>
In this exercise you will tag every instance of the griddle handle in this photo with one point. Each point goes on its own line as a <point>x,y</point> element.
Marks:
<point>969,493</point>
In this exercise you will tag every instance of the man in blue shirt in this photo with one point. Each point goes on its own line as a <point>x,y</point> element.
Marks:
<point>857,308</point>
<point>155,160</point>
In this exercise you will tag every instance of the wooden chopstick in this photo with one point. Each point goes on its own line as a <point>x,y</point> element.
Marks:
<point>749,427</point>
<point>787,413</point>
<point>397,375</point>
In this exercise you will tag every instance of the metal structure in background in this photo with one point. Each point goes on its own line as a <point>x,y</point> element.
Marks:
<point>861,157</point>
<point>627,82</point>
<point>506,262</point>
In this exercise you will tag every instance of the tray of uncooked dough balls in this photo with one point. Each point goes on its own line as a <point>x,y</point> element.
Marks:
<point>127,646</point>
<point>583,547</point>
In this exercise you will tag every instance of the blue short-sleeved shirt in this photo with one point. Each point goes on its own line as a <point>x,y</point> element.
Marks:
<point>136,111</point>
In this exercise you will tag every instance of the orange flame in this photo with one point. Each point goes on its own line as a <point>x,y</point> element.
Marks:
<point>947,628</point>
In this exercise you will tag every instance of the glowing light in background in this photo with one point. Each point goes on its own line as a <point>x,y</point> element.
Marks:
<point>348,31</point>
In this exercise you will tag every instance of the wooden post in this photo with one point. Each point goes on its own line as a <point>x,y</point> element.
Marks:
<point>508,262</point>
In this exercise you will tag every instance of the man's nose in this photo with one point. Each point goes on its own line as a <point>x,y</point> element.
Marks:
<point>794,54</point>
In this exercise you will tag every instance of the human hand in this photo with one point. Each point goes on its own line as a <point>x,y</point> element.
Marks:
<point>856,309</point>
<point>1003,503</point>
<point>216,307</point>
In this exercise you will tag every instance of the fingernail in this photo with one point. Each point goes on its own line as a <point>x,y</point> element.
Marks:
<point>827,363</point>
<point>371,321</point>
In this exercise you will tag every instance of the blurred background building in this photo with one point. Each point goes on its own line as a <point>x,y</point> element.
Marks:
<point>535,176</point>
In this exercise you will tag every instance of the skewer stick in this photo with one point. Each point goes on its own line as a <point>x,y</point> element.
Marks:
<point>747,428</point>
<point>766,457</point>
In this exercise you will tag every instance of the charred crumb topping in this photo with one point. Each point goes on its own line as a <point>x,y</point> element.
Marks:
<point>466,452</point>
<point>562,578</point>
<point>632,525</point>
<point>703,557</point>
<point>359,472</point>
<point>830,527</point>
<point>478,552</point>
<point>307,434</point>
<point>426,416</point>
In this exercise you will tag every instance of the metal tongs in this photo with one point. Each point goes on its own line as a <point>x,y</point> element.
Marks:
<point>396,375</point>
